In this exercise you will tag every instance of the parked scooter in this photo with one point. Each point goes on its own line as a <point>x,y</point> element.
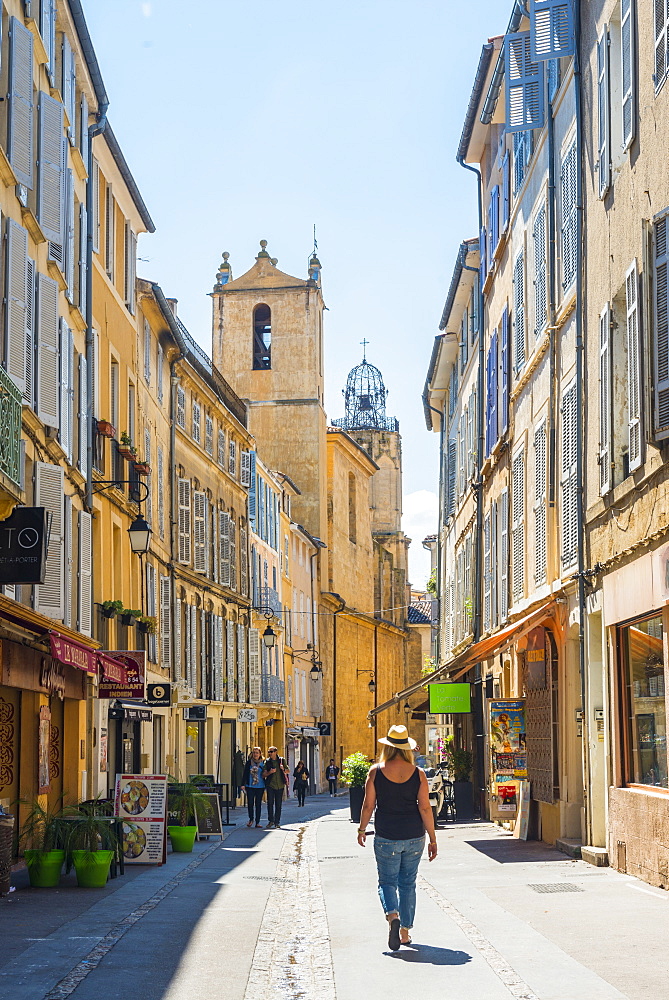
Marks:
<point>435,784</point>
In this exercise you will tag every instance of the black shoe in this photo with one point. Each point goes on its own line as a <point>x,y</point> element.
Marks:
<point>394,935</point>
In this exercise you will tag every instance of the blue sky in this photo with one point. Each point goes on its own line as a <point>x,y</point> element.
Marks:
<point>244,120</point>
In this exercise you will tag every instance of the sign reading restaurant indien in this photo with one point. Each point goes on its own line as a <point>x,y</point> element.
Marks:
<point>133,685</point>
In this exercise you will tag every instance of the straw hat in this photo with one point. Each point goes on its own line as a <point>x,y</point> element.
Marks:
<point>399,737</point>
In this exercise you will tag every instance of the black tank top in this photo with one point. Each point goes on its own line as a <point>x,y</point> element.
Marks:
<point>397,814</point>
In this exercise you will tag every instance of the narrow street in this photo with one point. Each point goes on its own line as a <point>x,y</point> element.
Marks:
<point>294,914</point>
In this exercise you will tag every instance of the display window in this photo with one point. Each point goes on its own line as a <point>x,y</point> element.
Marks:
<point>644,703</point>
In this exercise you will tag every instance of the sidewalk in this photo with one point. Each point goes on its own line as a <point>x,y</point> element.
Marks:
<point>293,914</point>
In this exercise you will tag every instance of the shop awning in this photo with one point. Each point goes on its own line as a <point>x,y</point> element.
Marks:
<point>111,669</point>
<point>473,654</point>
<point>72,653</point>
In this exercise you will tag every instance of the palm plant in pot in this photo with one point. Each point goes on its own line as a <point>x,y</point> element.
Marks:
<point>354,771</point>
<point>43,836</point>
<point>186,800</point>
<point>91,843</point>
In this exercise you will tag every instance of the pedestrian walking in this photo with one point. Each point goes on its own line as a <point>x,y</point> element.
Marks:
<point>300,781</point>
<point>275,773</point>
<point>398,790</point>
<point>254,784</point>
<point>332,773</point>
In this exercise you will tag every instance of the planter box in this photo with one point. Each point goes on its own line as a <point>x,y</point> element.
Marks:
<point>126,452</point>
<point>106,429</point>
<point>463,792</point>
<point>356,795</point>
<point>142,469</point>
<point>127,619</point>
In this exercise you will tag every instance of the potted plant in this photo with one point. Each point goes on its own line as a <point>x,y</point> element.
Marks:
<point>147,624</point>
<point>126,448</point>
<point>142,468</point>
<point>354,772</point>
<point>111,608</point>
<point>186,800</point>
<point>43,836</point>
<point>126,615</point>
<point>106,429</point>
<point>460,764</point>
<point>91,842</point>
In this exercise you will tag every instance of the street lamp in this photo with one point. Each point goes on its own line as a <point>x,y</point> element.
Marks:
<point>269,637</point>
<point>372,683</point>
<point>315,671</point>
<point>139,533</point>
<point>407,709</point>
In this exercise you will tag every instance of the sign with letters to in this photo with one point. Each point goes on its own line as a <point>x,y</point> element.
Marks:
<point>23,546</point>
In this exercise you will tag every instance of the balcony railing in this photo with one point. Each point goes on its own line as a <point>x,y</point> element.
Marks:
<point>10,429</point>
<point>269,598</point>
<point>272,689</point>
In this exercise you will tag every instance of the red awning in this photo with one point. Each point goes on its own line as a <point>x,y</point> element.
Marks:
<point>72,653</point>
<point>111,669</point>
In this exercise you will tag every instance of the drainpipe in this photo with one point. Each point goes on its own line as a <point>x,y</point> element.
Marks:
<point>580,349</point>
<point>334,672</point>
<point>174,382</point>
<point>552,257</point>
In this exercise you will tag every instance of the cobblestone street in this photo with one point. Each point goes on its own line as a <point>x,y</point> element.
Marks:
<point>294,914</point>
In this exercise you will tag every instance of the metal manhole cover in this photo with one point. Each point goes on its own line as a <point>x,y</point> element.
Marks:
<point>266,878</point>
<point>556,887</point>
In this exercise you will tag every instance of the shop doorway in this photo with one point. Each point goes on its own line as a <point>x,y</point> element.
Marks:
<point>126,739</point>
<point>226,756</point>
<point>194,748</point>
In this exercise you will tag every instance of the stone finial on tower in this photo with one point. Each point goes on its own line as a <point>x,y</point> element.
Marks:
<point>224,273</point>
<point>314,268</point>
<point>263,250</point>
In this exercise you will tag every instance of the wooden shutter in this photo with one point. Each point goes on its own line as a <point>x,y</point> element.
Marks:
<point>230,660</point>
<point>68,231</point>
<point>540,505</point>
<point>16,312</point>
<point>181,407</point>
<point>47,350</point>
<point>148,503</point>
<point>243,562</point>
<point>241,663</point>
<point>68,550</point>
<point>245,472</point>
<point>519,313</point>
<point>506,191</point>
<point>161,492</point>
<point>209,435</point>
<point>184,521</point>
<point>551,29</point>
<point>493,221</point>
<point>50,198</point>
<point>604,114</point>
<point>195,420</point>
<point>82,418</point>
<point>192,647</point>
<point>83,129</point>
<point>493,411</point>
<point>49,493</point>
<point>253,499</point>
<point>504,371</point>
<point>524,85</point>
<point>233,553</point>
<point>85,602</point>
<point>29,388</point>
<point>110,231</point>
<point>178,646</point>
<point>254,666</point>
<point>224,547</point>
<point>159,373</point>
<point>452,466</point>
<point>232,458</point>
<point>95,224</point>
<point>661,324</point>
<point>66,389</point>
<point>518,526</point>
<point>129,271</point>
<point>634,385</point>
<point>47,29</point>
<point>569,477</point>
<point>503,554</point>
<point>487,573</point>
<point>661,13</point>
<point>569,217</point>
<point>83,262</point>
<point>605,401</point>
<point>165,621</point>
<point>20,102</point>
<point>152,609</point>
<point>147,352</point>
<point>539,244</point>
<point>483,255</point>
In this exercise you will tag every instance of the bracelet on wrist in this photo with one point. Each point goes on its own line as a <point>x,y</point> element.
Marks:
<point>362,831</point>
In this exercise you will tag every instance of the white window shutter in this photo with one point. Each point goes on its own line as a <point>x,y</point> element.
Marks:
<point>540,296</point>
<point>604,113</point>
<point>165,621</point>
<point>95,225</point>
<point>245,474</point>
<point>83,261</point>
<point>161,493</point>
<point>49,493</point>
<point>20,105</point>
<point>241,663</point>
<point>130,271</point>
<point>224,547</point>
<point>233,553</point>
<point>487,573</point>
<point>634,385</point>
<point>184,520</point>
<point>110,231</point>
<point>83,129</point>
<point>232,458</point>
<point>151,609</point>
<point>66,390</point>
<point>519,313</point>
<point>68,549</point>
<point>47,350</point>
<point>243,562</point>
<point>95,374</point>
<point>627,47</point>
<point>208,434</point>
<point>221,447</point>
<point>569,477</point>
<point>159,373</point>
<point>230,660</point>
<point>254,666</point>
<point>148,480</point>
<point>503,554</point>
<point>540,505</point>
<point>16,312</point>
<point>68,231</point>
<point>661,324</point>
<point>85,602</point>
<point>551,29</point>
<point>605,401</point>
<point>181,406</point>
<point>524,85</point>
<point>50,198</point>
<point>147,352</point>
<point>196,414</point>
<point>178,641</point>
<point>29,388</point>
<point>191,666</point>
<point>518,526</point>
<point>47,29</point>
<point>199,532</point>
<point>569,217</point>
<point>661,12</point>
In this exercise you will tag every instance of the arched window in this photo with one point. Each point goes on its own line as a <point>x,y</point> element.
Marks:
<point>262,337</point>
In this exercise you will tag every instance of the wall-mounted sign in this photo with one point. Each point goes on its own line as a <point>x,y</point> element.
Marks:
<point>73,654</point>
<point>141,802</point>
<point>159,695</point>
<point>325,728</point>
<point>247,715</point>
<point>52,676</point>
<point>23,546</point>
<point>507,726</point>
<point>134,661</point>
<point>449,698</point>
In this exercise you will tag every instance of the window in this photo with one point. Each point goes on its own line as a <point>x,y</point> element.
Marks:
<point>518,525</point>
<point>262,337</point>
<point>519,313</point>
<point>232,458</point>
<point>661,42</point>
<point>540,505</point>
<point>351,507</point>
<point>209,435</point>
<point>195,418</point>
<point>523,144</point>
<point>569,217</point>
<point>643,675</point>
<point>181,407</point>
<point>110,209</point>
<point>661,323</point>
<point>568,482</point>
<point>634,385</point>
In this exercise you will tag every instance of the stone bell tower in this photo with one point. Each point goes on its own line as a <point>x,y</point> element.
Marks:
<point>267,341</point>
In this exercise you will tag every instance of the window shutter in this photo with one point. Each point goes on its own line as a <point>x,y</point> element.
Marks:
<point>50,180</point>
<point>82,418</point>
<point>68,549</point>
<point>519,158</point>
<point>148,480</point>
<point>113,392</point>
<point>605,401</point>
<point>519,313</point>
<point>540,505</point>
<point>634,387</point>
<point>152,609</point>
<point>216,657</point>
<point>184,521</point>
<point>230,658</point>
<point>83,129</point>
<point>483,255</point>
<point>49,493</point>
<point>243,562</point>
<point>147,352</point>
<point>539,244</point>
<point>208,434</point>
<point>493,221</point>
<point>661,323</point>
<point>233,553</point>
<point>47,350</point>
<point>178,647</point>
<point>504,373</point>
<point>569,481</point>
<point>16,312</point>
<point>20,106</point>
<point>232,458</point>
<point>195,420</point>
<point>68,83</point>
<point>241,663</point>
<point>604,113</point>
<point>224,547</point>
<point>518,526</point>
<point>47,29</point>
<point>130,267</point>
<point>66,390</point>
<point>110,220</point>
<point>199,533</point>
<point>95,225</point>
<point>487,574</point>
<point>551,29</point>
<point>569,218</point>
<point>220,453</point>
<point>493,391</point>
<point>661,12</point>
<point>161,493</point>
<point>68,232</point>
<point>192,649</point>
<point>159,373</point>
<point>524,85</point>
<point>245,473</point>
<point>165,614</point>
<point>83,263</point>
<point>85,603</point>
<point>506,191</point>
<point>452,463</point>
<point>471,436</point>
<point>181,406</point>
<point>503,554</point>
<point>29,388</point>
<point>95,374</point>
<point>488,401</point>
<point>254,666</point>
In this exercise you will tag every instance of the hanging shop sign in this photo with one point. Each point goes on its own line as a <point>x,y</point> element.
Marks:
<point>141,803</point>
<point>23,546</point>
<point>72,653</point>
<point>324,728</point>
<point>449,698</point>
<point>159,695</point>
<point>134,662</point>
<point>111,670</point>
<point>247,715</point>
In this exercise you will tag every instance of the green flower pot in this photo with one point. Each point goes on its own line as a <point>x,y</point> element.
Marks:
<point>182,838</point>
<point>92,868</point>
<point>44,868</point>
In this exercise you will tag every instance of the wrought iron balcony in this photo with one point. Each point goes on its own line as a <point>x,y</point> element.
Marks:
<point>10,429</point>
<point>273,689</point>
<point>269,598</point>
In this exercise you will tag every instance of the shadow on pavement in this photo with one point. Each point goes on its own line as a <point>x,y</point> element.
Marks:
<point>427,954</point>
<point>516,851</point>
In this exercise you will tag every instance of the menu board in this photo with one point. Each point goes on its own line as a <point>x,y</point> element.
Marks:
<point>141,802</point>
<point>209,823</point>
<point>508,756</point>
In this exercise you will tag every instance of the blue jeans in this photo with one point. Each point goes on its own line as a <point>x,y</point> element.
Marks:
<point>397,867</point>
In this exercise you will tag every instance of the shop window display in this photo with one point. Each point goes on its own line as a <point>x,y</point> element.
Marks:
<point>646,715</point>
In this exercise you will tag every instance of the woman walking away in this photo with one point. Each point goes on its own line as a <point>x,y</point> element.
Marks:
<point>254,783</point>
<point>399,791</point>
<point>301,781</point>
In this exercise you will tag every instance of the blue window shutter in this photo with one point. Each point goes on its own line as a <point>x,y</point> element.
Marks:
<point>551,29</point>
<point>252,492</point>
<point>452,457</point>
<point>524,85</point>
<point>506,191</point>
<point>493,221</point>
<point>494,411</point>
<point>20,102</point>
<point>504,371</point>
<point>482,255</point>
<point>488,401</point>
